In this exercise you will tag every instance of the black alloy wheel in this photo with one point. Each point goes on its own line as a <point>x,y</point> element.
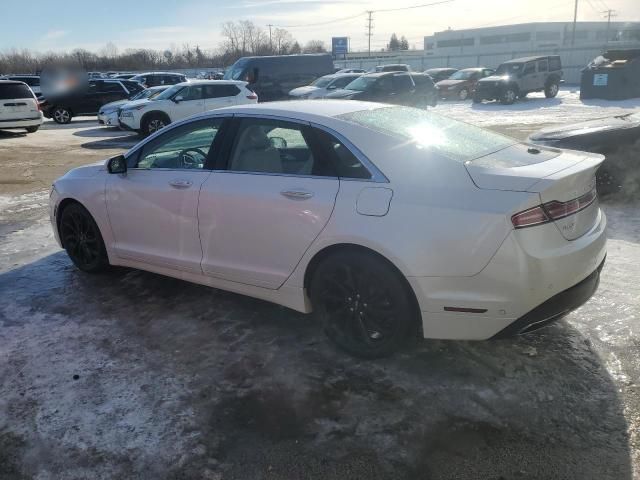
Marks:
<point>81,239</point>
<point>363,303</point>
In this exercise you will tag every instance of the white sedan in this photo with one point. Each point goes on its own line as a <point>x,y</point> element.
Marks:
<point>384,221</point>
<point>183,100</point>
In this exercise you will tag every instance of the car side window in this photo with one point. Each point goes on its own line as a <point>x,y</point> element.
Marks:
<point>346,164</point>
<point>543,66</point>
<point>111,87</point>
<point>529,68</point>
<point>220,91</point>
<point>554,64</point>
<point>277,147</point>
<point>402,83</point>
<point>186,147</point>
<point>191,93</point>
<point>384,84</point>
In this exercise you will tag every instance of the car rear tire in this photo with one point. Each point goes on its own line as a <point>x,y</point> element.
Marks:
<point>508,96</point>
<point>551,90</point>
<point>81,238</point>
<point>152,123</point>
<point>609,179</point>
<point>463,94</point>
<point>61,115</point>
<point>363,303</point>
<point>477,99</point>
<point>32,129</point>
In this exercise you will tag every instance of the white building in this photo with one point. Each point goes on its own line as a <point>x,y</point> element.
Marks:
<point>525,37</point>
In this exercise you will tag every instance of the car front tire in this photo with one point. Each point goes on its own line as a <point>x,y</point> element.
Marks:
<point>81,238</point>
<point>363,303</point>
<point>463,94</point>
<point>508,96</point>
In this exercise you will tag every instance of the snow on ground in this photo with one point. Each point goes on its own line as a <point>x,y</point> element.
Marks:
<point>535,109</point>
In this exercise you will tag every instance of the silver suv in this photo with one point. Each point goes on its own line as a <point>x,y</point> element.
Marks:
<point>518,77</point>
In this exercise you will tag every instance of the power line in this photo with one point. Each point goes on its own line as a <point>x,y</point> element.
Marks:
<point>321,23</point>
<point>412,6</point>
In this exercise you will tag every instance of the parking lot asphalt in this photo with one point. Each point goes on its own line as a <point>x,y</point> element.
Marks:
<point>134,375</point>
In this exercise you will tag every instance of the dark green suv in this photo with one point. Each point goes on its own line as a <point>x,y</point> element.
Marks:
<point>520,76</point>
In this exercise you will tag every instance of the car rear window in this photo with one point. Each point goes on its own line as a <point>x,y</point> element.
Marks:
<point>14,90</point>
<point>456,140</point>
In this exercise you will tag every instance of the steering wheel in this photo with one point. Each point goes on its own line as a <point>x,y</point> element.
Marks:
<point>189,160</point>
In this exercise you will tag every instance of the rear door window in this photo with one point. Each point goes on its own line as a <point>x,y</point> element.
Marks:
<point>9,91</point>
<point>554,64</point>
<point>111,87</point>
<point>402,83</point>
<point>219,91</point>
<point>529,68</point>
<point>543,66</point>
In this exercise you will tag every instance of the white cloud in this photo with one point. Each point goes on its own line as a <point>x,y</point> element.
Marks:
<point>55,34</point>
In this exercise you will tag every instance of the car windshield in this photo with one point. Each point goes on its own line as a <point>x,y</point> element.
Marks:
<point>462,75</point>
<point>169,92</point>
<point>322,82</point>
<point>509,68</point>
<point>361,84</point>
<point>456,140</point>
<point>235,71</point>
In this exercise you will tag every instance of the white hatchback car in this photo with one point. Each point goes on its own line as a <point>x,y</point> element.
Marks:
<point>19,107</point>
<point>183,100</point>
<point>384,221</point>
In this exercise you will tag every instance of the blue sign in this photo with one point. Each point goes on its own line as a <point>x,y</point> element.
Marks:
<point>339,45</point>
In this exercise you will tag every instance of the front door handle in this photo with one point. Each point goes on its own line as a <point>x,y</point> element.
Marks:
<point>297,194</point>
<point>180,183</point>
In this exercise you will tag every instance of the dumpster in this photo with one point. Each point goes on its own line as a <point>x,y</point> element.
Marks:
<point>614,75</point>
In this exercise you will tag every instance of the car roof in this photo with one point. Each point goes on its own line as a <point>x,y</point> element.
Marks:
<point>384,74</point>
<point>11,82</point>
<point>530,59</point>
<point>213,82</point>
<point>304,110</point>
<point>159,73</point>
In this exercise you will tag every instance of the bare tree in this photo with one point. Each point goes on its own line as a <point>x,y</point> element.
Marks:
<point>314,46</point>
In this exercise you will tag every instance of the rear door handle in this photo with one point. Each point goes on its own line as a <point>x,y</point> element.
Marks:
<point>297,194</point>
<point>180,183</point>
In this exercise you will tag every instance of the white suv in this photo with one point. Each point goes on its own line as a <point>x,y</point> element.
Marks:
<point>19,106</point>
<point>183,100</point>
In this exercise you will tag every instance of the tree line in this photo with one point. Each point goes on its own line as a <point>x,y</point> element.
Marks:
<point>240,39</point>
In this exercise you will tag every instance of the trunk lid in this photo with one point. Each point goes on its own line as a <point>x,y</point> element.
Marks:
<point>562,179</point>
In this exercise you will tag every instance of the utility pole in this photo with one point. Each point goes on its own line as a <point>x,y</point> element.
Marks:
<point>270,40</point>
<point>369,27</point>
<point>575,19</point>
<point>608,14</point>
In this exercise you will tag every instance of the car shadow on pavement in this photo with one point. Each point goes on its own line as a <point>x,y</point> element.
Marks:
<point>108,138</point>
<point>12,134</point>
<point>523,104</point>
<point>51,125</point>
<point>130,374</point>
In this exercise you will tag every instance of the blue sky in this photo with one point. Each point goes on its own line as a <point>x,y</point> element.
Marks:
<point>68,24</point>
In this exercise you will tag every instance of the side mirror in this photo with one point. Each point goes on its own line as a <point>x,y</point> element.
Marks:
<point>331,87</point>
<point>117,164</point>
<point>178,99</point>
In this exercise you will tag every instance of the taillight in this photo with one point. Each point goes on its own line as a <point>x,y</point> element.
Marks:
<point>553,210</point>
<point>252,96</point>
<point>529,218</point>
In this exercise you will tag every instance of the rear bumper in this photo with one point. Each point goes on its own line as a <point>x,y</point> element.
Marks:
<point>517,287</point>
<point>554,308</point>
<point>21,122</point>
